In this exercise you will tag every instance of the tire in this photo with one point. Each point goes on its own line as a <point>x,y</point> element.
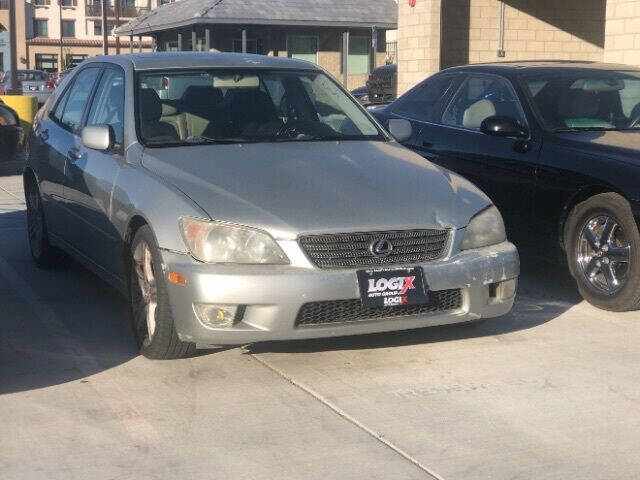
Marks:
<point>44,255</point>
<point>603,252</point>
<point>151,314</point>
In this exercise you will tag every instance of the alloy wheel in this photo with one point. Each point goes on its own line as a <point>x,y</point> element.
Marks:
<point>145,297</point>
<point>604,254</point>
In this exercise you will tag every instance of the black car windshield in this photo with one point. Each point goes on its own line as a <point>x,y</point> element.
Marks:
<point>602,100</point>
<point>236,106</point>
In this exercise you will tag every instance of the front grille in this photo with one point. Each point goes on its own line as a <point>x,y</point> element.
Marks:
<point>342,311</point>
<point>349,250</point>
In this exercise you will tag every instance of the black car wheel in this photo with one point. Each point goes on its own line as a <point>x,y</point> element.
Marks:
<point>603,244</point>
<point>44,255</point>
<point>149,302</point>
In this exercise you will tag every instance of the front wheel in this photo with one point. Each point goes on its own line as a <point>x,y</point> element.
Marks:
<point>150,309</point>
<point>603,250</point>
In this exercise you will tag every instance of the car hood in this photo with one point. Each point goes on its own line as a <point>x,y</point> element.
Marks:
<point>318,187</point>
<point>622,145</point>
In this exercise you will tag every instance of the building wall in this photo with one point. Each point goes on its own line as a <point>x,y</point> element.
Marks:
<point>418,40</point>
<point>622,34</point>
<point>533,29</point>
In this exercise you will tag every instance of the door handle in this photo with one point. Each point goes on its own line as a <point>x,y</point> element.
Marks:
<point>74,154</point>
<point>44,134</point>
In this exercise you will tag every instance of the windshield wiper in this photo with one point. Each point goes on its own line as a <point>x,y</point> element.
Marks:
<point>200,140</point>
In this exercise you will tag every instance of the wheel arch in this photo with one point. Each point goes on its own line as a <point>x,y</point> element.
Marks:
<point>584,193</point>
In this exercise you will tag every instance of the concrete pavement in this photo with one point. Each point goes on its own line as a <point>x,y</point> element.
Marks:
<point>550,391</point>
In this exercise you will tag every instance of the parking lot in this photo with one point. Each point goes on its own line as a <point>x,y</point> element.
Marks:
<point>550,391</point>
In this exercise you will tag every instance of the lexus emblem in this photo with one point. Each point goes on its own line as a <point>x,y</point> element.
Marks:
<point>381,248</point>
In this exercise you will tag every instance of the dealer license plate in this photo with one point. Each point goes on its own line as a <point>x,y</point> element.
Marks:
<point>392,287</point>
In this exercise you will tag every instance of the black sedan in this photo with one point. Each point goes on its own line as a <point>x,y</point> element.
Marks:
<point>556,145</point>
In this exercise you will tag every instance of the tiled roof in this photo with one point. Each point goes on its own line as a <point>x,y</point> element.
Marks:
<point>339,13</point>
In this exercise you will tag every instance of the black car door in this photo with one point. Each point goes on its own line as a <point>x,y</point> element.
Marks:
<point>504,168</point>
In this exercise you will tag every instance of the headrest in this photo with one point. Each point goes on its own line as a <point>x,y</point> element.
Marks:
<point>168,110</point>
<point>202,95</point>
<point>150,105</point>
<point>477,113</point>
<point>578,103</point>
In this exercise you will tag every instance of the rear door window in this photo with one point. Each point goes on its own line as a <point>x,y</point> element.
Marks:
<point>423,102</point>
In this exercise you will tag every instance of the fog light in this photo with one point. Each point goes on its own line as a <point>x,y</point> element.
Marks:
<point>503,290</point>
<point>216,316</point>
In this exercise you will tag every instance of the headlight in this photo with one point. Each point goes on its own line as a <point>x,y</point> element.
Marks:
<point>486,228</point>
<point>218,242</point>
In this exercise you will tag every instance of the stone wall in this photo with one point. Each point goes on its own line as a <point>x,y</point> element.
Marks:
<point>622,35</point>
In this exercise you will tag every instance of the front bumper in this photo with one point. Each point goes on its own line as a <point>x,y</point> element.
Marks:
<point>273,295</point>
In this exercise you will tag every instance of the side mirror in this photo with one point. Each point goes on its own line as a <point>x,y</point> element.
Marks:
<point>400,129</point>
<point>500,126</point>
<point>98,137</point>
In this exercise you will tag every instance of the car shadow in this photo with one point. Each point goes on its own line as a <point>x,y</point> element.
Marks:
<point>544,292</point>
<point>11,168</point>
<point>65,324</point>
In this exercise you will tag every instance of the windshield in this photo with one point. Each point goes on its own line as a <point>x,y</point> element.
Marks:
<point>237,106</point>
<point>586,100</point>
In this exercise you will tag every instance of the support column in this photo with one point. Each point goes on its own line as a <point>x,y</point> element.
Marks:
<point>345,59</point>
<point>179,41</point>
<point>130,43</point>
<point>421,43</point>
<point>374,47</point>
<point>105,33</point>
<point>194,39</point>
<point>244,40</point>
<point>116,5</point>
<point>140,43</point>
<point>207,39</point>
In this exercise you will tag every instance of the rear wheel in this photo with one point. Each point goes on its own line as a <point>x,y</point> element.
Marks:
<point>44,255</point>
<point>603,247</point>
<point>150,309</point>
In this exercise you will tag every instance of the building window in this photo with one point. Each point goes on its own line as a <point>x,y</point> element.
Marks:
<point>47,62</point>
<point>252,45</point>
<point>68,3</point>
<point>303,47</point>
<point>97,28</point>
<point>358,62</point>
<point>40,27</point>
<point>68,28</point>
<point>41,2</point>
<point>74,60</point>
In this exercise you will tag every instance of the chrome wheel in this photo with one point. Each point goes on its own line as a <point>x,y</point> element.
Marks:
<point>35,222</point>
<point>145,297</point>
<point>604,254</point>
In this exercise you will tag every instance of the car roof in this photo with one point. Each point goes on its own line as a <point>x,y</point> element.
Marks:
<point>159,60</point>
<point>543,66</point>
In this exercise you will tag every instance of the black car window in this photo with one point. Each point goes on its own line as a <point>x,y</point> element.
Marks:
<point>108,103</point>
<point>420,103</point>
<point>76,100</point>
<point>480,97</point>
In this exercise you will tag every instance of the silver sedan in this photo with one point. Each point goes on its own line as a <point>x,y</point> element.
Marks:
<point>240,198</point>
